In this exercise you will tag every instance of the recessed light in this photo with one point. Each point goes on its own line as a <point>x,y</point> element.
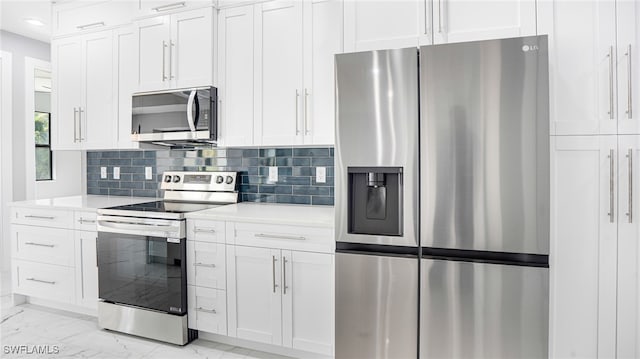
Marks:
<point>34,21</point>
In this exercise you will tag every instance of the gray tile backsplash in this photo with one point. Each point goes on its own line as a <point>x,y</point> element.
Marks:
<point>296,172</point>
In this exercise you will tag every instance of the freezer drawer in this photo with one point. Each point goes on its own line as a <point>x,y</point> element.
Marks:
<point>376,306</point>
<point>481,310</point>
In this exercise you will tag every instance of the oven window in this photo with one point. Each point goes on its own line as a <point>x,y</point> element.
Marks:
<point>143,271</point>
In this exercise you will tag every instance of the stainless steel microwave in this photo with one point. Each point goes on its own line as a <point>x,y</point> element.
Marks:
<point>175,117</point>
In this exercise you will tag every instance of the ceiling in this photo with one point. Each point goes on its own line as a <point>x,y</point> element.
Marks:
<point>13,13</point>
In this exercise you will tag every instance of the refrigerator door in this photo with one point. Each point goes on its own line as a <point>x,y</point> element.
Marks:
<point>377,141</point>
<point>376,306</point>
<point>484,147</point>
<point>482,310</point>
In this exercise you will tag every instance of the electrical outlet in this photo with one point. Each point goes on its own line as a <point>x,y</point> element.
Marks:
<point>273,174</point>
<point>148,174</point>
<point>103,172</point>
<point>321,174</point>
<point>116,172</point>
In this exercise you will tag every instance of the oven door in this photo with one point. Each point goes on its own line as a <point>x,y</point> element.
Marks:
<point>144,271</point>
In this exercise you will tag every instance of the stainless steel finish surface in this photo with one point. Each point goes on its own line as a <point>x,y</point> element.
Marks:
<point>143,322</point>
<point>39,244</point>
<point>211,197</point>
<point>168,6</point>
<point>204,265</point>
<point>93,24</point>
<point>377,125</point>
<point>41,281</point>
<point>172,90</point>
<point>164,56</point>
<point>139,214</point>
<point>80,111</point>
<point>297,99</point>
<point>629,84</point>
<point>306,112</point>
<point>485,146</point>
<point>200,309</point>
<point>207,230</point>
<point>611,186</point>
<point>284,275</point>
<point>39,217</point>
<point>278,236</point>
<point>376,306</point>
<point>141,226</point>
<point>82,220</point>
<point>480,310</point>
<point>273,272</point>
<point>630,160</point>
<point>211,186</point>
<point>171,136</point>
<point>190,102</point>
<point>610,56</point>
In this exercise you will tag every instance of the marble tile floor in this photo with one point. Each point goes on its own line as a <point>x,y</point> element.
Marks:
<point>77,336</point>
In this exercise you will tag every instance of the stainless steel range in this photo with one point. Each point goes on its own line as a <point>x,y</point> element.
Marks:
<point>142,273</point>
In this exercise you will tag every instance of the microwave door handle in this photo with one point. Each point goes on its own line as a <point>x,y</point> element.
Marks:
<point>195,120</point>
<point>192,125</point>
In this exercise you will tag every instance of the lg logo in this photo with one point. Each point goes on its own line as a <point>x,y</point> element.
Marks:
<point>527,48</point>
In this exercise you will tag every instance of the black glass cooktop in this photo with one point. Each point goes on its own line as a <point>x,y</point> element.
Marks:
<point>165,207</point>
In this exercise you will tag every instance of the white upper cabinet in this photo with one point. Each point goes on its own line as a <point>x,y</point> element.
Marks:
<point>278,72</point>
<point>628,66</point>
<point>584,229</point>
<point>235,79</point>
<point>124,47</point>
<point>470,20</point>
<point>77,16</point>
<point>83,92</point>
<point>175,51</point>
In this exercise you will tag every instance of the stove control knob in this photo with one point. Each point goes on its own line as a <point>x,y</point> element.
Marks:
<point>167,178</point>
<point>219,179</point>
<point>229,180</point>
<point>176,179</point>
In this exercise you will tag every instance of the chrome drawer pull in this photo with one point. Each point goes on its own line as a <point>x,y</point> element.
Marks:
<point>206,230</point>
<point>611,187</point>
<point>204,265</point>
<point>39,217</point>
<point>41,281</point>
<point>83,221</point>
<point>212,311</point>
<point>39,244</point>
<point>277,236</point>
<point>93,24</point>
<point>168,7</point>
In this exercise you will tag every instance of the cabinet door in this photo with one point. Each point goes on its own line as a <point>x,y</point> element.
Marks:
<point>629,247</point>
<point>97,121</point>
<point>152,39</point>
<point>278,70</point>
<point>253,294</point>
<point>307,301</point>
<point>628,36</point>
<point>582,65</point>
<point>191,48</point>
<point>376,25</point>
<point>323,39</point>
<point>471,20</point>
<point>86,269</point>
<point>67,92</point>
<point>235,63</point>
<point>583,247</point>
<point>125,60</point>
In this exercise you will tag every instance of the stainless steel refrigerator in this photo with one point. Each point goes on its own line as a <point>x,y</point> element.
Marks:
<point>442,201</point>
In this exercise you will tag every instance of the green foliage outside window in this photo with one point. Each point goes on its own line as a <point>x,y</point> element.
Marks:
<point>43,146</point>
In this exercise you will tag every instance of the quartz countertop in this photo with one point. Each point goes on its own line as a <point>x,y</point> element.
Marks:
<point>82,202</point>
<point>270,213</point>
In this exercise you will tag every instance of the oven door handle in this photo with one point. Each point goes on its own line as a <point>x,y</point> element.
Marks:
<point>134,229</point>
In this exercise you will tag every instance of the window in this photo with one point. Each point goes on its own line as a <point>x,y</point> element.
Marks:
<point>44,156</point>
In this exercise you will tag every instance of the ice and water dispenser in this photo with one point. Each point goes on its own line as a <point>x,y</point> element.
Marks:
<point>375,200</point>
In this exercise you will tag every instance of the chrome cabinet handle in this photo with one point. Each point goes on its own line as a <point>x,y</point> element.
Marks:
<point>83,221</point>
<point>93,24</point>
<point>629,84</point>
<point>39,217</point>
<point>168,6</point>
<point>297,97</point>
<point>75,125</point>
<point>611,188</point>
<point>171,46</point>
<point>204,265</point>
<point>164,56</point>
<point>80,111</point>
<point>630,161</point>
<point>278,236</point>
<point>41,281</point>
<point>306,110</point>
<point>39,244</point>
<point>212,311</point>
<point>610,55</point>
<point>273,269</point>
<point>284,275</point>
<point>439,16</point>
<point>206,230</point>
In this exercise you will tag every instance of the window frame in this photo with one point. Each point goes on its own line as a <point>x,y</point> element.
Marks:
<point>37,145</point>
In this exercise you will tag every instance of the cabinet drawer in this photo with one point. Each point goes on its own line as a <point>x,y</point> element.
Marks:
<point>310,239</point>
<point>145,8</point>
<point>44,281</point>
<point>80,16</point>
<point>45,245</point>
<point>206,231</point>
<point>43,217</point>
<point>206,264</point>
<point>207,309</point>
<point>85,221</point>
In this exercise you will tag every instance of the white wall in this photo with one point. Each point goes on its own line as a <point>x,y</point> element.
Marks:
<point>5,164</point>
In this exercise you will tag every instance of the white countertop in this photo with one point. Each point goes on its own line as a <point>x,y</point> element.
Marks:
<point>84,202</point>
<point>270,213</point>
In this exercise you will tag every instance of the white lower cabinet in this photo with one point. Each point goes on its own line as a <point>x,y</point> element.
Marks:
<point>87,269</point>
<point>207,309</point>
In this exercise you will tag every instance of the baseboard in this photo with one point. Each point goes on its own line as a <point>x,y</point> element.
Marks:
<point>274,349</point>
<point>63,306</point>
